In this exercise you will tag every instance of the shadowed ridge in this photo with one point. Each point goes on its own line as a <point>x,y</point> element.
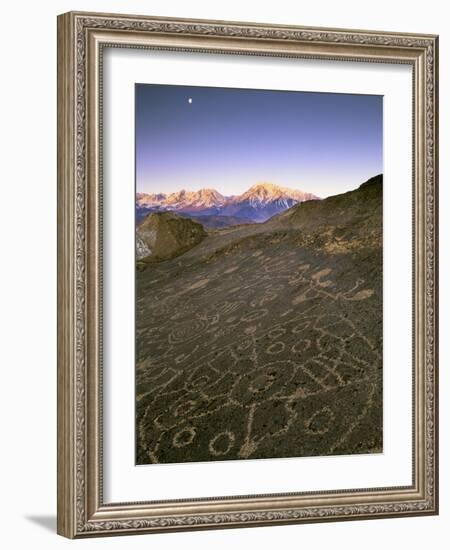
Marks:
<point>341,210</point>
<point>375,180</point>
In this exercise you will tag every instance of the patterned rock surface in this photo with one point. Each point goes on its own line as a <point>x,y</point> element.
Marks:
<point>266,340</point>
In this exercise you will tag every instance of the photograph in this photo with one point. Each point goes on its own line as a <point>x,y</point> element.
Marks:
<point>259,274</point>
<point>247,282</point>
<point>222,305</point>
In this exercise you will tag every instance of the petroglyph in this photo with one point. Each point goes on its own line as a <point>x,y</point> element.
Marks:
<point>263,346</point>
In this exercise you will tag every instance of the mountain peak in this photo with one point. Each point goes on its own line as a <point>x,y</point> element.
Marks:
<point>263,189</point>
<point>268,192</point>
<point>264,185</point>
<point>210,194</point>
<point>260,202</point>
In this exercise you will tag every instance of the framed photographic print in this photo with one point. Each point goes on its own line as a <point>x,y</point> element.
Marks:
<point>247,276</point>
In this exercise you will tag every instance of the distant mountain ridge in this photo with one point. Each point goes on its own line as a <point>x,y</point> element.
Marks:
<point>258,204</point>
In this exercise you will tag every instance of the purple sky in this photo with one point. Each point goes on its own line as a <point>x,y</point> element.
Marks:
<point>229,139</point>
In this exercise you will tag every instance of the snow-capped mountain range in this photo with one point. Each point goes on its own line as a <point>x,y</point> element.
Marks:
<point>259,203</point>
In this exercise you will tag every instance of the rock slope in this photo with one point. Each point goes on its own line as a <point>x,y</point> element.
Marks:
<point>266,340</point>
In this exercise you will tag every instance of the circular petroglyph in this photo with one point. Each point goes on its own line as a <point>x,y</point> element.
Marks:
<point>301,345</point>
<point>184,437</point>
<point>276,333</point>
<point>201,377</point>
<point>222,443</point>
<point>214,319</point>
<point>276,347</point>
<point>301,327</point>
<point>320,422</point>
<point>186,331</point>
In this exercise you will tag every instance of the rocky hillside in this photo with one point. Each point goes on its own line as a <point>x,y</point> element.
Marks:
<point>266,340</point>
<point>219,221</point>
<point>338,210</point>
<point>351,217</point>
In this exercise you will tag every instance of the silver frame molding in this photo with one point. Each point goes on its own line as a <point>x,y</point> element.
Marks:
<point>81,39</point>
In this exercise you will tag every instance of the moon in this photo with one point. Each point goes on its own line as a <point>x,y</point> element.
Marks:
<point>189,99</point>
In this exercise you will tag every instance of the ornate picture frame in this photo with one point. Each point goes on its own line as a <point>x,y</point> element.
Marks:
<point>82,38</point>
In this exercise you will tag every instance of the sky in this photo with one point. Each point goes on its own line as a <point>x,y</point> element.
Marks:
<point>229,139</point>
